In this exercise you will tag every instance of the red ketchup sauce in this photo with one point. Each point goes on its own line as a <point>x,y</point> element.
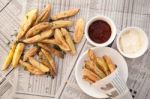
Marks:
<point>99,31</point>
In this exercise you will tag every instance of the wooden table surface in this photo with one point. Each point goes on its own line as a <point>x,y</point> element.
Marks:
<point>124,13</point>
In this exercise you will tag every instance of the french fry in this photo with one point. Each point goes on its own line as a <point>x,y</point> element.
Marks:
<point>65,14</point>
<point>99,61</point>
<point>68,40</point>
<point>79,29</point>
<point>61,41</point>
<point>17,54</point>
<point>28,20</point>
<point>51,50</point>
<point>31,52</point>
<point>37,29</point>
<point>109,62</point>
<point>51,61</point>
<point>9,57</point>
<point>89,74</point>
<point>88,80</point>
<point>103,65</point>
<point>93,67</point>
<point>44,15</point>
<point>45,61</point>
<point>38,65</point>
<point>91,55</point>
<point>31,68</point>
<point>60,24</point>
<point>50,41</point>
<point>39,37</point>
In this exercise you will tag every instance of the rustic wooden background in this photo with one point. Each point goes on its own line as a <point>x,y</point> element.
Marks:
<point>123,12</point>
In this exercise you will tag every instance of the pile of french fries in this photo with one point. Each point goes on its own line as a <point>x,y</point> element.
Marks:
<point>97,68</point>
<point>47,39</point>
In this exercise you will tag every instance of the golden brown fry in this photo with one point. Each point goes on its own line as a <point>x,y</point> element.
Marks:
<point>69,40</point>
<point>38,65</point>
<point>50,41</point>
<point>102,64</point>
<point>91,55</point>
<point>79,29</point>
<point>88,80</point>
<point>65,14</point>
<point>9,57</point>
<point>31,52</point>
<point>44,15</point>
<point>37,29</point>
<point>18,52</point>
<point>61,41</point>
<point>99,61</point>
<point>30,68</point>
<point>89,74</point>
<point>50,59</point>
<point>39,37</point>
<point>28,20</point>
<point>51,50</point>
<point>44,61</point>
<point>109,62</point>
<point>93,67</point>
<point>60,24</point>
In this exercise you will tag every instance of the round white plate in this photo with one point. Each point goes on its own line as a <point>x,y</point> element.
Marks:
<point>99,51</point>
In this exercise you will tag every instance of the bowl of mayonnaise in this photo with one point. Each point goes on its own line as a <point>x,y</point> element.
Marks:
<point>132,42</point>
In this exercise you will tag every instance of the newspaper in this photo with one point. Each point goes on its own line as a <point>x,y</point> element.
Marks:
<point>123,12</point>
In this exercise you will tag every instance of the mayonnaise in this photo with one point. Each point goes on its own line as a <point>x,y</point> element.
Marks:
<point>131,41</point>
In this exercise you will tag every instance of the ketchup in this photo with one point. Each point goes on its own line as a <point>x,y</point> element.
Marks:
<point>99,31</point>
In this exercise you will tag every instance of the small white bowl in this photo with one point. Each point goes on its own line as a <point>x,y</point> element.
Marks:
<point>141,51</point>
<point>99,51</point>
<point>112,26</point>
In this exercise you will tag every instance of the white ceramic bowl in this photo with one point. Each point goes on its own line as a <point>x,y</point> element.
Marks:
<point>141,51</point>
<point>99,51</point>
<point>112,26</point>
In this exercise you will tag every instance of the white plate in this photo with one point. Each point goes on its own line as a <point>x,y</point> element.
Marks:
<point>99,51</point>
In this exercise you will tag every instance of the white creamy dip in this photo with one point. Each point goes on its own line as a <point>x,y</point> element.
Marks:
<point>131,41</point>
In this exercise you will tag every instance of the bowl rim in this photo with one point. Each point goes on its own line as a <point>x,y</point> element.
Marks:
<point>139,53</point>
<point>107,20</point>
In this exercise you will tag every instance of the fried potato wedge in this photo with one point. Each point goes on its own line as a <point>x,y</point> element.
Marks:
<point>65,14</point>
<point>99,61</point>
<point>51,50</point>
<point>39,37</point>
<point>109,62</point>
<point>60,24</point>
<point>44,16</point>
<point>103,65</point>
<point>68,40</point>
<point>38,65</point>
<point>79,29</point>
<point>30,68</point>
<point>45,61</point>
<point>50,41</point>
<point>51,61</point>
<point>28,20</point>
<point>88,80</point>
<point>91,55</point>
<point>93,67</point>
<point>9,57</point>
<point>37,29</point>
<point>61,41</point>
<point>31,52</point>
<point>89,74</point>
<point>18,52</point>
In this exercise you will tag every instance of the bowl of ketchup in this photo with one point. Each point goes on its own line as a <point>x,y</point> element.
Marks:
<point>100,31</point>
